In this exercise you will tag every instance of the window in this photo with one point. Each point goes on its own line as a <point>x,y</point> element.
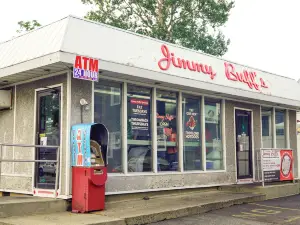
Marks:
<point>139,129</point>
<point>192,152</point>
<point>167,151</point>
<point>213,135</point>
<point>280,128</point>
<point>110,115</point>
<point>267,128</point>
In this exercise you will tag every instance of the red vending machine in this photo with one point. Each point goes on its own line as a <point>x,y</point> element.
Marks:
<point>89,161</point>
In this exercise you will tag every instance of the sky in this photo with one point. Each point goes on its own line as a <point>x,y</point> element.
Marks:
<point>263,33</point>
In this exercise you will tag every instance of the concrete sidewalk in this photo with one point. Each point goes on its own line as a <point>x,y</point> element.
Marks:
<point>142,211</point>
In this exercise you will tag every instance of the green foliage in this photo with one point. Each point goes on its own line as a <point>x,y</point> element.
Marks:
<point>191,23</point>
<point>27,26</point>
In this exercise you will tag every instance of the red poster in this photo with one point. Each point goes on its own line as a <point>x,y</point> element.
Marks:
<point>286,168</point>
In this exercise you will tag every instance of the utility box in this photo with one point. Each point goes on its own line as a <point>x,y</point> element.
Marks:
<point>89,167</point>
<point>5,99</point>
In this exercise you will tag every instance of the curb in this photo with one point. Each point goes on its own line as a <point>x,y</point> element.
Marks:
<point>189,211</point>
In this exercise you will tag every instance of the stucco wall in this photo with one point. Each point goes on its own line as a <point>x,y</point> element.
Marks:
<point>7,136</point>
<point>21,174</point>
<point>80,89</point>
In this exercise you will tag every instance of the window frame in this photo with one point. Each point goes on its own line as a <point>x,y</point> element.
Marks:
<point>272,126</point>
<point>179,142</point>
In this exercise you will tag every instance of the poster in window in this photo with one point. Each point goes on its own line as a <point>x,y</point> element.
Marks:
<point>139,116</point>
<point>212,113</point>
<point>192,123</point>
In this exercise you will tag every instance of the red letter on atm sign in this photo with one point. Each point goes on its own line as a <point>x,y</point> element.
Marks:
<point>94,65</point>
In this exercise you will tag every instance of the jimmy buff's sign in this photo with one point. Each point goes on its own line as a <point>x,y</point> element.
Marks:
<point>85,68</point>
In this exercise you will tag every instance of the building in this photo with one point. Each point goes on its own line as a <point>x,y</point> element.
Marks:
<point>177,118</point>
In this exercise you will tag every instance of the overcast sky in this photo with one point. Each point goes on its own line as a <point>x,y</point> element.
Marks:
<point>264,33</point>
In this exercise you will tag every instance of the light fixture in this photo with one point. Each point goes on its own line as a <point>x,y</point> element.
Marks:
<point>84,106</point>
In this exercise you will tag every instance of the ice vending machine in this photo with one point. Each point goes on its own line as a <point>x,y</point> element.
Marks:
<point>89,143</point>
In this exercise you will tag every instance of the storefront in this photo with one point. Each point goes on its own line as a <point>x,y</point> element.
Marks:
<point>177,118</point>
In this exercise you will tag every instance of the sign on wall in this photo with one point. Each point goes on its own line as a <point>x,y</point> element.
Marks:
<point>85,68</point>
<point>277,165</point>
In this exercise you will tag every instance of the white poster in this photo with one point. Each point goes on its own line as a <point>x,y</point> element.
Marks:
<point>270,160</point>
<point>211,114</point>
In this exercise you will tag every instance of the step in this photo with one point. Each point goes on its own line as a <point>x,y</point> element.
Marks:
<point>175,206</point>
<point>140,211</point>
<point>28,205</point>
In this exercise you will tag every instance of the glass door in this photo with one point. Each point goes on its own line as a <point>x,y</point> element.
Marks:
<point>243,126</point>
<point>48,133</point>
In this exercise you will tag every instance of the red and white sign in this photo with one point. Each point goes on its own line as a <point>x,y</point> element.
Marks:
<point>286,169</point>
<point>277,165</point>
<point>86,68</point>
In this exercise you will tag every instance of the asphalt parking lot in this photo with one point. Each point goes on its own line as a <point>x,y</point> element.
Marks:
<point>277,211</point>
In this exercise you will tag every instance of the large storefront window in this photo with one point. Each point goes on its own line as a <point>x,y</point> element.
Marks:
<point>213,135</point>
<point>280,128</point>
<point>267,128</point>
<point>139,129</point>
<point>167,151</point>
<point>192,152</point>
<point>107,110</point>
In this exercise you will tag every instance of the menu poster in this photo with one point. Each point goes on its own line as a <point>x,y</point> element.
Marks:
<point>192,123</point>
<point>277,165</point>
<point>139,116</point>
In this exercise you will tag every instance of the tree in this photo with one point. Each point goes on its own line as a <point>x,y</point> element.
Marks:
<point>191,23</point>
<point>28,26</point>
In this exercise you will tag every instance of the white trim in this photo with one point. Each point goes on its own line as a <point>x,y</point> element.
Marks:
<point>45,195</point>
<point>165,173</point>
<point>34,138</point>
<point>61,127</point>
<point>180,132</point>
<point>195,93</point>
<point>203,138</point>
<point>42,77</point>
<point>93,102</point>
<point>35,63</point>
<point>274,127</point>
<point>252,137</point>
<point>257,176</point>
<point>68,125</point>
<point>287,129</point>
<point>223,109</point>
<point>154,131</point>
<point>124,129</point>
<point>168,189</point>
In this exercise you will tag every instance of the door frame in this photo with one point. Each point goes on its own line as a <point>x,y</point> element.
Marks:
<point>247,180</point>
<point>47,192</point>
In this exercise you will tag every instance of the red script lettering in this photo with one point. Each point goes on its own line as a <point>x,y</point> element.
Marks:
<point>169,58</point>
<point>246,77</point>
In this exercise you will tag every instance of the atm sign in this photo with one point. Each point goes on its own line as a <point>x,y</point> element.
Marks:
<point>86,68</point>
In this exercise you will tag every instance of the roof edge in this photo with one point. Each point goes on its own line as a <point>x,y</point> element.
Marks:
<point>178,46</point>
